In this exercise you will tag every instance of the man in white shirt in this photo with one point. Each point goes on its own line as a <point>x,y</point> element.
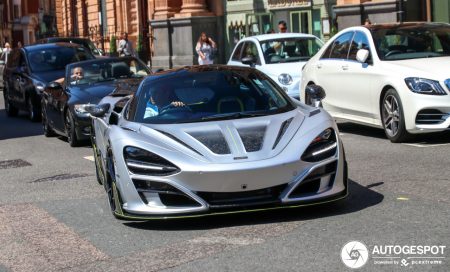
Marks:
<point>125,46</point>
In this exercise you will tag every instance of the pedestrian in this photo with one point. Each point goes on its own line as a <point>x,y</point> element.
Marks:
<point>205,49</point>
<point>5,53</point>
<point>19,45</point>
<point>282,26</point>
<point>125,46</point>
<point>367,22</point>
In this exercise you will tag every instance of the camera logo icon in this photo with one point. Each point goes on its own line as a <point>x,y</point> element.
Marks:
<point>354,254</point>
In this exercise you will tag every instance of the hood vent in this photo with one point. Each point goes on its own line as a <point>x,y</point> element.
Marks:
<point>252,138</point>
<point>213,140</point>
<point>178,141</point>
<point>283,129</point>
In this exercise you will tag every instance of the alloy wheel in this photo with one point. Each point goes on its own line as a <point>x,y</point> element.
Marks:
<point>391,115</point>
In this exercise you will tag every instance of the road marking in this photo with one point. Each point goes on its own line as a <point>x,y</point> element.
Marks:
<point>89,158</point>
<point>402,198</point>
<point>33,240</point>
<point>426,145</point>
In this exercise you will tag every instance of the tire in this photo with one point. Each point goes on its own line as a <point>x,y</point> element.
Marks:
<point>112,192</point>
<point>34,113</point>
<point>72,138</point>
<point>48,131</point>
<point>99,172</point>
<point>393,118</point>
<point>11,111</point>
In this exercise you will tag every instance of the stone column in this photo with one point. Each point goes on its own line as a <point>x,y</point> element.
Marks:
<point>166,8</point>
<point>192,8</point>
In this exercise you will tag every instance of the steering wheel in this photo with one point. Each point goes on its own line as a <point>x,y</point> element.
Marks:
<point>170,109</point>
<point>393,52</point>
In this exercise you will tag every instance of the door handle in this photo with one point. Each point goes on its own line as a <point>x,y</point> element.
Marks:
<point>319,65</point>
<point>344,67</point>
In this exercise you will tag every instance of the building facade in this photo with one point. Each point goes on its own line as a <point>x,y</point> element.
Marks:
<point>26,20</point>
<point>253,17</point>
<point>355,12</point>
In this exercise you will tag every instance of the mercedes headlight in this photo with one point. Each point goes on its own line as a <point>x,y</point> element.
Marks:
<point>424,86</point>
<point>285,79</point>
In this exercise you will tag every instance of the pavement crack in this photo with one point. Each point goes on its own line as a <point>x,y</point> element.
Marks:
<point>60,177</point>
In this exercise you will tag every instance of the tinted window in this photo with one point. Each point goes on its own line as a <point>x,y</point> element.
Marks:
<point>341,46</point>
<point>360,41</point>
<point>56,58</point>
<point>208,95</point>
<point>250,50</point>
<point>237,52</point>
<point>290,49</point>
<point>412,41</point>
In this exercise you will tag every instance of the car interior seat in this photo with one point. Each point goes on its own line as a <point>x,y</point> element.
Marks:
<point>230,104</point>
<point>120,69</point>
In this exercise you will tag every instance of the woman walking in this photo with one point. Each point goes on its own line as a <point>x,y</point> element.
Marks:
<point>205,49</point>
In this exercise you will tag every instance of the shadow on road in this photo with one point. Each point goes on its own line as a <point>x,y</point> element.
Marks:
<point>423,139</point>
<point>360,198</point>
<point>17,127</point>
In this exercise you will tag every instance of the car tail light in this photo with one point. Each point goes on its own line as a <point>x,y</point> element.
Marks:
<point>322,147</point>
<point>143,162</point>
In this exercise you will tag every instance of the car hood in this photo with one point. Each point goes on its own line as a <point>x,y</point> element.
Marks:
<point>292,68</point>
<point>431,67</point>
<point>94,92</point>
<point>229,141</point>
<point>47,77</point>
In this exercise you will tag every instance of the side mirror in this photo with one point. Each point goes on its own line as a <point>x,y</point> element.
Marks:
<point>98,110</point>
<point>362,55</point>
<point>54,85</point>
<point>249,61</point>
<point>314,95</point>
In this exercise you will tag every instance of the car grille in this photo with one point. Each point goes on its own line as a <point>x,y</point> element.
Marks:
<point>239,199</point>
<point>312,183</point>
<point>430,117</point>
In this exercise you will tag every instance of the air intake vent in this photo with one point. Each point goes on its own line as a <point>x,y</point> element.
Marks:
<point>252,138</point>
<point>283,129</point>
<point>430,117</point>
<point>178,140</point>
<point>213,140</point>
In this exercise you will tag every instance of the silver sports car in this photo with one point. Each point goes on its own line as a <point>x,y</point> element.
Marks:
<point>214,139</point>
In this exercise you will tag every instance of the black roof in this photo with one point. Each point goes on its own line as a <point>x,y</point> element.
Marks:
<point>50,45</point>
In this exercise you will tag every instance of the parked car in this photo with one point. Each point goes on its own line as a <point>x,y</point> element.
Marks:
<point>81,41</point>
<point>281,56</point>
<point>392,76</point>
<point>30,68</point>
<point>87,82</point>
<point>212,139</point>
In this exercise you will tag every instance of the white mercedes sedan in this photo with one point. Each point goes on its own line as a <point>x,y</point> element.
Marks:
<point>391,76</point>
<point>280,56</point>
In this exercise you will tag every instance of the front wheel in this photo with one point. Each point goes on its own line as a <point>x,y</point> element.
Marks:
<point>11,111</point>
<point>393,118</point>
<point>48,131</point>
<point>112,192</point>
<point>70,130</point>
<point>34,113</point>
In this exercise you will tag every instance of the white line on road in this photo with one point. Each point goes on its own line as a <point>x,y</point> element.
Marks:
<point>89,158</point>
<point>426,145</point>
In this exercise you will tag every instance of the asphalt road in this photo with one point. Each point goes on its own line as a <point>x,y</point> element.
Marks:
<point>55,217</point>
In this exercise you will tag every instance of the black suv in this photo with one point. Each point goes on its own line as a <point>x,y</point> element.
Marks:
<point>30,68</point>
<point>81,41</point>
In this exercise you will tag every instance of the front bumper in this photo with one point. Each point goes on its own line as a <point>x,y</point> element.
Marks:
<point>324,182</point>
<point>83,127</point>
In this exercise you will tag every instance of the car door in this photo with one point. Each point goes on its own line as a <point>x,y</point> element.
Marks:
<point>11,75</point>
<point>25,86</point>
<point>56,99</point>
<point>357,76</point>
<point>328,70</point>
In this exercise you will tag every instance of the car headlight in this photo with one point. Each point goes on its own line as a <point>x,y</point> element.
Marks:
<point>424,86</point>
<point>322,147</point>
<point>143,162</point>
<point>285,79</point>
<point>40,86</point>
<point>80,110</point>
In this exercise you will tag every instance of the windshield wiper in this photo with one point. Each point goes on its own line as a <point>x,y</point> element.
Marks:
<point>232,115</point>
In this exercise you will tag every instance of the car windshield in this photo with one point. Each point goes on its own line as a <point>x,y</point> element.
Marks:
<point>102,70</point>
<point>290,49</point>
<point>208,95</point>
<point>412,41</point>
<point>56,58</point>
